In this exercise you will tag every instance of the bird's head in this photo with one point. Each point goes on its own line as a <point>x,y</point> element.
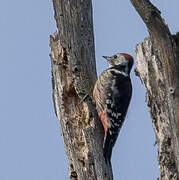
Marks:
<point>120,59</point>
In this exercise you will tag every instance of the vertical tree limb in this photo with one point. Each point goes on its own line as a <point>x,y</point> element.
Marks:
<point>157,65</point>
<point>73,76</point>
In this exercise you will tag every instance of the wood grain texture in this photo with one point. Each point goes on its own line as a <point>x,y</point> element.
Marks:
<point>157,65</point>
<point>73,78</point>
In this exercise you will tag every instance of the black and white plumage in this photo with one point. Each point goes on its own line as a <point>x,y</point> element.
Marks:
<point>112,93</point>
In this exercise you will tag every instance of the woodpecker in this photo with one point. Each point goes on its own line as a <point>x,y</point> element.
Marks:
<point>112,94</point>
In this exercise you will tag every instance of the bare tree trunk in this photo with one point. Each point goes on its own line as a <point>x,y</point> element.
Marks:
<point>157,65</point>
<point>73,76</point>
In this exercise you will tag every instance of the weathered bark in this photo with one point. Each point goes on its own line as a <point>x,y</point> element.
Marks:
<point>73,76</point>
<point>157,65</point>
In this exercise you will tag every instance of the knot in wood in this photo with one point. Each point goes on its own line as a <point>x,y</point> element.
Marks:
<point>75,69</point>
<point>171,90</point>
<point>73,174</point>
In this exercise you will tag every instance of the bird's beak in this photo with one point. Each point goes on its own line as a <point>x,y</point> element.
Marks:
<point>107,57</point>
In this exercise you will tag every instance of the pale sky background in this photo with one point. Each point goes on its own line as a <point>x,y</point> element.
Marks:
<point>31,146</point>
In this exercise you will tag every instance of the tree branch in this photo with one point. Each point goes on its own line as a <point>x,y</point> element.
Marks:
<point>157,64</point>
<point>73,77</point>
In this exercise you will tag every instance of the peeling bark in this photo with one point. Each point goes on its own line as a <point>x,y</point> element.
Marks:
<point>157,65</point>
<point>73,78</point>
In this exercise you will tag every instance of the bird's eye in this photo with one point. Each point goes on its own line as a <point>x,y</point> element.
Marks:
<point>115,56</point>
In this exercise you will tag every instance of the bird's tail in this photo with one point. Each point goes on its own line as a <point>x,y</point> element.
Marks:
<point>108,144</point>
<point>107,148</point>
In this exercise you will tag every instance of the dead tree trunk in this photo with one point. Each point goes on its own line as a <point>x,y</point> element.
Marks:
<point>157,65</point>
<point>73,76</point>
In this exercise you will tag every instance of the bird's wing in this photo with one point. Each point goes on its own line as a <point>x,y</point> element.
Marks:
<point>100,91</point>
